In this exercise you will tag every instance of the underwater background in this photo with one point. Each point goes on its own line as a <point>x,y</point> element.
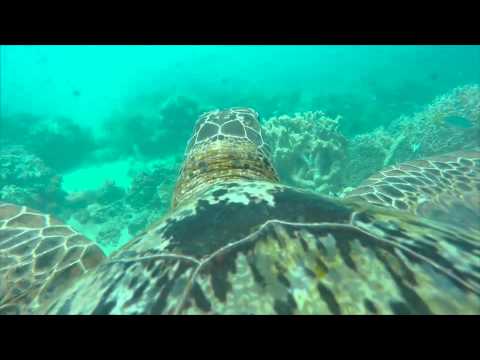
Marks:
<point>95,134</point>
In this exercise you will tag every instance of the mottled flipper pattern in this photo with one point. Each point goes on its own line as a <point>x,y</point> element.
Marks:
<point>342,269</point>
<point>331,259</point>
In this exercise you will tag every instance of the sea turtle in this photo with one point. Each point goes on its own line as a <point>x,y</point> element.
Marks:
<point>237,241</point>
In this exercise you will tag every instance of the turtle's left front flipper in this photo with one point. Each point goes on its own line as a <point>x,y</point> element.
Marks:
<point>39,257</point>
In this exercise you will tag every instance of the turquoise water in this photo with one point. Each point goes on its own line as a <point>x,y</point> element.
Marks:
<point>369,215</point>
<point>89,83</point>
<point>106,114</point>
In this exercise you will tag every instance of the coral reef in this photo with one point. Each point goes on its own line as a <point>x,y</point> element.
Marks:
<point>151,127</point>
<point>76,143</point>
<point>44,137</point>
<point>108,193</point>
<point>307,149</point>
<point>112,216</point>
<point>430,132</point>
<point>18,195</point>
<point>153,186</point>
<point>423,134</point>
<point>366,154</point>
<point>358,110</point>
<point>25,179</point>
<point>20,167</point>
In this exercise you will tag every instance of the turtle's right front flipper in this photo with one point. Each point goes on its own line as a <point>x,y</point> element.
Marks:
<point>39,258</point>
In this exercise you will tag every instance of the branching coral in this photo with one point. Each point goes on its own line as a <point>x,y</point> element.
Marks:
<point>307,150</point>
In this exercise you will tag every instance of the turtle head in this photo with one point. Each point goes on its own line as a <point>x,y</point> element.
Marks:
<point>225,145</point>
